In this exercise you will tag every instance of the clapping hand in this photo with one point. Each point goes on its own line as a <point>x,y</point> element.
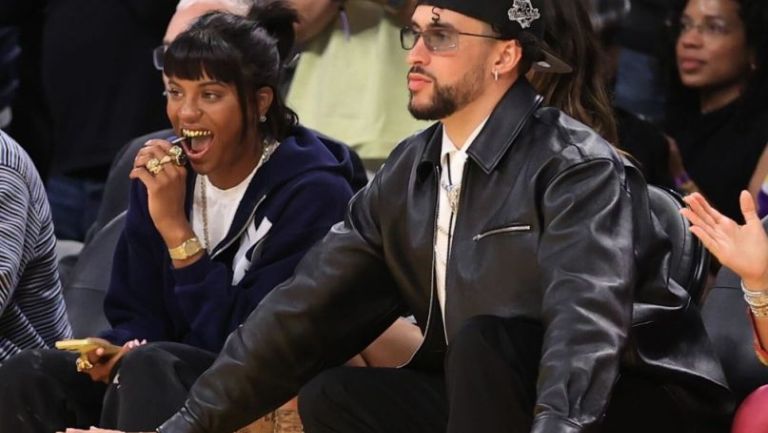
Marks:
<point>742,248</point>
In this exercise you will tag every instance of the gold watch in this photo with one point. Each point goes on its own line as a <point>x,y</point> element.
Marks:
<point>187,249</point>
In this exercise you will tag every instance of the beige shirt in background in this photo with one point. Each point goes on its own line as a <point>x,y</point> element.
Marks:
<point>355,90</point>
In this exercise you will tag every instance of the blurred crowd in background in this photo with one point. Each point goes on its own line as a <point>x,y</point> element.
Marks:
<point>688,84</point>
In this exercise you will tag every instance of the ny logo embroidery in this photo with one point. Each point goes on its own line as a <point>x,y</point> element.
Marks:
<point>524,13</point>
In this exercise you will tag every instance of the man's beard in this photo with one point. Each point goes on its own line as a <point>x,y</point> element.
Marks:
<point>447,100</point>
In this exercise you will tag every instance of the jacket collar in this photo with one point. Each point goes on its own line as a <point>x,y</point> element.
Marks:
<point>502,129</point>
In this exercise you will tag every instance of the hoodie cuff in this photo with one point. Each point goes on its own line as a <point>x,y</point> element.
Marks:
<point>194,273</point>
<point>555,424</point>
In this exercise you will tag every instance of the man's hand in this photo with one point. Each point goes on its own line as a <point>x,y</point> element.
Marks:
<point>103,364</point>
<point>742,248</point>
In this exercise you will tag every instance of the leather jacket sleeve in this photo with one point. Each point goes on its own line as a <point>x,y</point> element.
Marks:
<point>313,321</point>
<point>586,254</point>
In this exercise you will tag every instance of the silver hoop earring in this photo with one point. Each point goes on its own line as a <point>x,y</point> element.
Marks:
<point>262,118</point>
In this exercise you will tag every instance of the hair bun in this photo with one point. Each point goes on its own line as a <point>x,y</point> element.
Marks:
<point>277,17</point>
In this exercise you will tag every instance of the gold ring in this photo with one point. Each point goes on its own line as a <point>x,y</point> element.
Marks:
<point>82,364</point>
<point>154,166</point>
<point>177,155</point>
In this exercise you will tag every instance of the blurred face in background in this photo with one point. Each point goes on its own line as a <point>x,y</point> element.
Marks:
<point>712,51</point>
<point>183,18</point>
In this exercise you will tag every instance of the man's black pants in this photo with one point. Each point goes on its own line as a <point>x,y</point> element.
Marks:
<point>489,385</point>
<point>41,392</point>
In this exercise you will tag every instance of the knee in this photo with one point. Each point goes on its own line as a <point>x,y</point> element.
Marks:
<point>21,374</point>
<point>21,368</point>
<point>752,414</point>
<point>140,362</point>
<point>318,398</point>
<point>477,331</point>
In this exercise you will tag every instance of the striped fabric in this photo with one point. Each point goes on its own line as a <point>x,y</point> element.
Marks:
<point>32,311</point>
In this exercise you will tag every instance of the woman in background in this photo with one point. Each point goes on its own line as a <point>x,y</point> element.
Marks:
<point>718,117</point>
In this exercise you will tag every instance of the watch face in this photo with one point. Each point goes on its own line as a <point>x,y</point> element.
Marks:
<point>192,246</point>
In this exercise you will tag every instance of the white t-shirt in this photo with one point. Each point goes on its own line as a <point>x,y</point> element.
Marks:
<point>222,206</point>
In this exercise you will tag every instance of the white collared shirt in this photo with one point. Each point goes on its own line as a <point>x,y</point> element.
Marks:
<point>452,175</point>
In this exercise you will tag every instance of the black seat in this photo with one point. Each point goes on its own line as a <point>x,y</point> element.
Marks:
<point>89,280</point>
<point>690,260</point>
<point>114,201</point>
<point>727,322</point>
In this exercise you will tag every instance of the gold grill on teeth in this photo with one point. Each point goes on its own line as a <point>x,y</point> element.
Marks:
<point>195,134</point>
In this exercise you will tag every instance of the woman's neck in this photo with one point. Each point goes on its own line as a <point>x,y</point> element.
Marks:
<point>241,166</point>
<point>713,99</point>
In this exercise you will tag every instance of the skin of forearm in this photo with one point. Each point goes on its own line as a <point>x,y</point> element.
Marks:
<point>314,16</point>
<point>761,325</point>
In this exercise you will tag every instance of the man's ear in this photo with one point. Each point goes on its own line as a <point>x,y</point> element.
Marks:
<point>508,57</point>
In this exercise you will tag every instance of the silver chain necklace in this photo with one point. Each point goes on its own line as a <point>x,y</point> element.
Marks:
<point>269,149</point>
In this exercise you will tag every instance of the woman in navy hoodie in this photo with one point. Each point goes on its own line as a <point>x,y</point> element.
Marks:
<point>204,242</point>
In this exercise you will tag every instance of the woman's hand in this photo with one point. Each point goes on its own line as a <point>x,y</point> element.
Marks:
<point>166,192</point>
<point>742,248</point>
<point>104,364</point>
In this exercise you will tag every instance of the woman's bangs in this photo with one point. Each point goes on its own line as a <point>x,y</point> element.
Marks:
<point>195,58</point>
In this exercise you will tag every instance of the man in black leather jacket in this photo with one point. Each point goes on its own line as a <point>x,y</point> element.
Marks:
<point>509,231</point>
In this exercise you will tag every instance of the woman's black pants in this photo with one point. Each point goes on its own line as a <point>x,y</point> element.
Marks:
<point>41,391</point>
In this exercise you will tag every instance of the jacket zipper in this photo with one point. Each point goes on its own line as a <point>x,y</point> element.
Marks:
<point>432,281</point>
<point>242,229</point>
<point>518,228</point>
